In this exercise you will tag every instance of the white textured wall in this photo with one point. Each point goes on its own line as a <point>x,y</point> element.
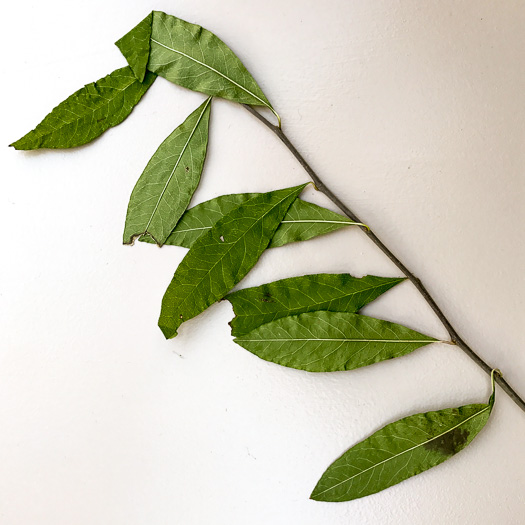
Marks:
<point>414,112</point>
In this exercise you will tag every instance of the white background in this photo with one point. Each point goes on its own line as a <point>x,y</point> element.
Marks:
<point>414,112</point>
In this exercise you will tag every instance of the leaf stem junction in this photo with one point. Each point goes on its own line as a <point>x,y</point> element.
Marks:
<point>454,336</point>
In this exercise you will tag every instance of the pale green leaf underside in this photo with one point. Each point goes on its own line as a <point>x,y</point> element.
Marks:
<point>193,57</point>
<point>325,341</point>
<point>256,306</point>
<point>88,112</point>
<point>221,257</point>
<point>400,450</point>
<point>302,221</point>
<point>168,182</point>
<point>305,220</point>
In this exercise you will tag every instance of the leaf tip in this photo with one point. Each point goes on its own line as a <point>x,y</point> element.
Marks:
<point>316,494</point>
<point>17,144</point>
<point>167,331</point>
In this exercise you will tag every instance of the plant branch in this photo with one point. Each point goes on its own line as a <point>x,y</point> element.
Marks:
<point>454,336</point>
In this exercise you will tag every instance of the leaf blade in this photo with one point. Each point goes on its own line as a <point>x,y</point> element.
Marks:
<point>88,112</point>
<point>326,341</point>
<point>302,221</point>
<point>400,450</point>
<point>193,57</point>
<point>166,186</point>
<point>305,220</point>
<point>263,304</point>
<point>135,46</point>
<point>220,258</point>
<point>201,218</point>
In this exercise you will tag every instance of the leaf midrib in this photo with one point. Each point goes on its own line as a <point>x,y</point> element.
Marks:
<point>175,167</point>
<point>348,223</point>
<point>282,222</point>
<point>212,69</point>
<point>404,452</point>
<point>344,340</point>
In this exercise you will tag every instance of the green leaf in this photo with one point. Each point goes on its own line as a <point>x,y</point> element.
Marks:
<point>302,221</point>
<point>221,257</point>
<point>168,182</point>
<point>191,56</point>
<point>309,293</point>
<point>201,218</point>
<point>400,450</point>
<point>330,341</point>
<point>135,46</point>
<point>305,220</point>
<point>88,112</point>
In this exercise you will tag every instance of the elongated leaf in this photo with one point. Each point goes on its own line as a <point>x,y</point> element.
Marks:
<point>330,341</point>
<point>168,182</point>
<point>309,293</point>
<point>220,258</point>
<point>88,112</point>
<point>305,220</point>
<point>190,56</point>
<point>302,221</point>
<point>401,450</point>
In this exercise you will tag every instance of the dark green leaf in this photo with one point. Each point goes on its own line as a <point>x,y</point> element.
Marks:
<point>302,221</point>
<point>168,182</point>
<point>401,450</point>
<point>309,293</point>
<point>221,257</point>
<point>88,112</point>
<point>135,46</point>
<point>191,56</point>
<point>330,341</point>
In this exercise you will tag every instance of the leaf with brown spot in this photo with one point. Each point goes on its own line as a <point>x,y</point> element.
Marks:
<point>449,443</point>
<point>400,450</point>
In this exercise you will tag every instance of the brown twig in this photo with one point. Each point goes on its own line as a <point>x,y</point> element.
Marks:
<point>454,336</point>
